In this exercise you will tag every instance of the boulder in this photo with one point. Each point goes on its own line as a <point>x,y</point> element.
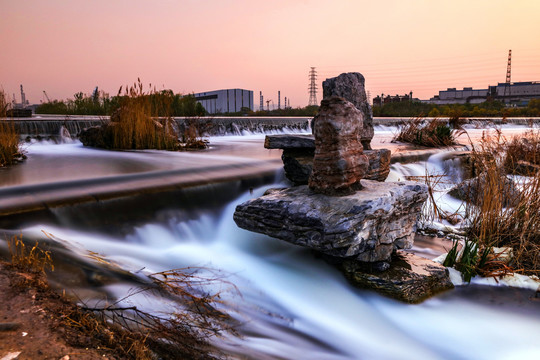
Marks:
<point>97,136</point>
<point>350,86</point>
<point>339,163</point>
<point>410,278</point>
<point>367,226</point>
<point>473,190</point>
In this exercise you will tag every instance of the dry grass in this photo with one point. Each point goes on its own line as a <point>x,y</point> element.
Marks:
<point>127,331</point>
<point>9,139</point>
<point>136,123</point>
<point>192,136</point>
<point>29,259</point>
<point>430,133</point>
<point>492,222</point>
<point>523,154</point>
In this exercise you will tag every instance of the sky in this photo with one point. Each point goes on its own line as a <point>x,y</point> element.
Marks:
<point>422,46</point>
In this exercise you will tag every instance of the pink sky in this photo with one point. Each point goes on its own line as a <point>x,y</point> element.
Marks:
<point>64,47</point>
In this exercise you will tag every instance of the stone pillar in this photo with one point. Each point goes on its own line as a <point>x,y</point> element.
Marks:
<point>350,86</point>
<point>339,163</point>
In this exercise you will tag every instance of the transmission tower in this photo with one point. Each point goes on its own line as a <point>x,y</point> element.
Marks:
<point>312,87</point>
<point>508,74</point>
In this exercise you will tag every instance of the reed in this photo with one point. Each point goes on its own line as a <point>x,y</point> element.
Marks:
<point>10,152</point>
<point>29,259</point>
<point>428,132</point>
<point>496,223</point>
<point>136,123</point>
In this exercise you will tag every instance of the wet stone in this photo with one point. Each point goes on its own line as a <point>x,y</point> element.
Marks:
<point>410,278</point>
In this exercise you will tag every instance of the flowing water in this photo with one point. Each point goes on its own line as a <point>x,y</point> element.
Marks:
<point>291,304</point>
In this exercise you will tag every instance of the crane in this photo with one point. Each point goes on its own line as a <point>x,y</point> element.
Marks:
<point>46,96</point>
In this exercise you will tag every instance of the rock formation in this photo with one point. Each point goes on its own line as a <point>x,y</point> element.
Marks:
<point>339,163</point>
<point>350,86</point>
<point>299,150</point>
<point>367,226</point>
<point>355,223</point>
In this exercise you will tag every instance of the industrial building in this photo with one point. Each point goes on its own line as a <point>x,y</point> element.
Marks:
<point>381,100</point>
<point>515,93</point>
<point>225,101</point>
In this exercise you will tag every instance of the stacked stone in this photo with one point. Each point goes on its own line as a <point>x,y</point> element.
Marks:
<point>340,214</point>
<point>351,86</point>
<point>339,163</point>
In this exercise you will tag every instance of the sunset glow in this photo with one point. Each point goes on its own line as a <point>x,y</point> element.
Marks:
<point>423,46</point>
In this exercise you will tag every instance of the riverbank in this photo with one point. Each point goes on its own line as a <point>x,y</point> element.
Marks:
<point>32,322</point>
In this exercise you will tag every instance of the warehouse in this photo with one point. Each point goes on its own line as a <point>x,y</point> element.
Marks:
<point>225,101</point>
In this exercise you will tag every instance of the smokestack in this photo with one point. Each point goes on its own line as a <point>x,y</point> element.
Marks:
<point>279,99</point>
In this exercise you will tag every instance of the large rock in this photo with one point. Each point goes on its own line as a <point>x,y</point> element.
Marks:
<point>350,86</point>
<point>410,278</point>
<point>339,163</point>
<point>366,226</point>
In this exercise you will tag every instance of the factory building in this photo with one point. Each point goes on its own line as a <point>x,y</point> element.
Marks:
<point>381,100</point>
<point>225,101</point>
<point>516,93</point>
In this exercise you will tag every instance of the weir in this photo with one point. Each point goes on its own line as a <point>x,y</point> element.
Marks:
<point>55,126</point>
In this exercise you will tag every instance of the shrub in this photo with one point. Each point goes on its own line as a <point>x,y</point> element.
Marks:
<point>136,123</point>
<point>431,133</point>
<point>523,154</point>
<point>10,152</point>
<point>494,224</point>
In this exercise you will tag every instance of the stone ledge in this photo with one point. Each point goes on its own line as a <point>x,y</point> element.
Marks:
<point>368,225</point>
<point>410,278</point>
<point>289,142</point>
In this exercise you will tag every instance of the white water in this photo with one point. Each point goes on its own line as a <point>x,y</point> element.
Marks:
<point>297,307</point>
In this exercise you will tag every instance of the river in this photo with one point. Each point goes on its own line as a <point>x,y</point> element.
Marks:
<point>291,304</point>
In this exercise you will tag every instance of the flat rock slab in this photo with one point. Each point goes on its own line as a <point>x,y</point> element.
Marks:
<point>367,226</point>
<point>410,278</point>
<point>286,141</point>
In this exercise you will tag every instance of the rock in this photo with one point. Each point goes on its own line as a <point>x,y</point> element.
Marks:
<point>9,326</point>
<point>472,190</point>
<point>350,86</point>
<point>286,141</point>
<point>410,278</point>
<point>298,164</point>
<point>367,226</point>
<point>298,152</point>
<point>526,168</point>
<point>97,136</point>
<point>339,163</point>
<point>379,164</point>
<point>11,355</point>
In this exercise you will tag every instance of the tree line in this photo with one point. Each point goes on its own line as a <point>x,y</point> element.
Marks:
<point>490,108</point>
